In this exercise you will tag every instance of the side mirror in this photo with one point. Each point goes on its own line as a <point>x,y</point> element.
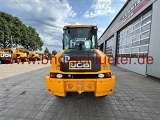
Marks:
<point>65,28</point>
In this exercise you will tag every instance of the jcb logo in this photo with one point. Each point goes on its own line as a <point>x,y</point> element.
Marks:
<point>65,59</point>
<point>79,65</point>
<point>6,55</point>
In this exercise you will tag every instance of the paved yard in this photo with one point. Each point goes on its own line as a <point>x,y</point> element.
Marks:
<point>24,97</point>
<point>8,70</point>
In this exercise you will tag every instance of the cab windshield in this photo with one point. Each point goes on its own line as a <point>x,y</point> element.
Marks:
<point>80,38</point>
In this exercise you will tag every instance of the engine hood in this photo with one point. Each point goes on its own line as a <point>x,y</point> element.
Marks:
<point>80,60</point>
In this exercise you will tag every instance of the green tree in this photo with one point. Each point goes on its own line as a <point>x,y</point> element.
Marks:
<point>54,52</point>
<point>46,51</point>
<point>15,32</point>
<point>1,37</point>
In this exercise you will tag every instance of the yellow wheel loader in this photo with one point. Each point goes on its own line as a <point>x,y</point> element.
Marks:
<point>6,55</point>
<point>80,66</point>
<point>21,54</point>
<point>36,56</point>
<point>33,56</point>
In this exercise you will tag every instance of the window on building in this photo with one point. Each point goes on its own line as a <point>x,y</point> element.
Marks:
<point>145,34</point>
<point>134,39</point>
<point>144,41</point>
<point>109,46</point>
<point>144,49</point>
<point>146,27</point>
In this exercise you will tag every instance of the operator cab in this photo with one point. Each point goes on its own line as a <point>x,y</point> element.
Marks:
<point>80,37</point>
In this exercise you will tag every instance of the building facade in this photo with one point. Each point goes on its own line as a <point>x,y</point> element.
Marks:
<point>133,37</point>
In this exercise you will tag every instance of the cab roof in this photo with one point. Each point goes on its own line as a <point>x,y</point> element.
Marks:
<point>79,26</point>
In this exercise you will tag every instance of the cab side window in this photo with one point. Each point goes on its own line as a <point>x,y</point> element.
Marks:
<point>93,41</point>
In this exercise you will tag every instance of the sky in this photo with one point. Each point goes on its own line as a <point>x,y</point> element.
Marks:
<point>49,16</point>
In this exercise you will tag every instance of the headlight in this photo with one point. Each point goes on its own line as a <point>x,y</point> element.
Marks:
<point>101,75</point>
<point>59,75</point>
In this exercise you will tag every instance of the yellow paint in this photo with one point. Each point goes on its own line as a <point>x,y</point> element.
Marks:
<point>100,86</point>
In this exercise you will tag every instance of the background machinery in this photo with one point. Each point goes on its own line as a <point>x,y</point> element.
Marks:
<point>33,56</point>
<point>21,54</point>
<point>18,54</point>
<point>36,56</point>
<point>6,55</point>
<point>80,66</point>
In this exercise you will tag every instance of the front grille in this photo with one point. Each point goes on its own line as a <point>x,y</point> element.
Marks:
<point>80,76</point>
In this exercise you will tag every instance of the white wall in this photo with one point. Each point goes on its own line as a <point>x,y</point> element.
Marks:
<point>154,48</point>
<point>134,64</point>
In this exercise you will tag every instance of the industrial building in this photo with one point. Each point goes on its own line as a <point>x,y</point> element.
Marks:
<point>133,37</point>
